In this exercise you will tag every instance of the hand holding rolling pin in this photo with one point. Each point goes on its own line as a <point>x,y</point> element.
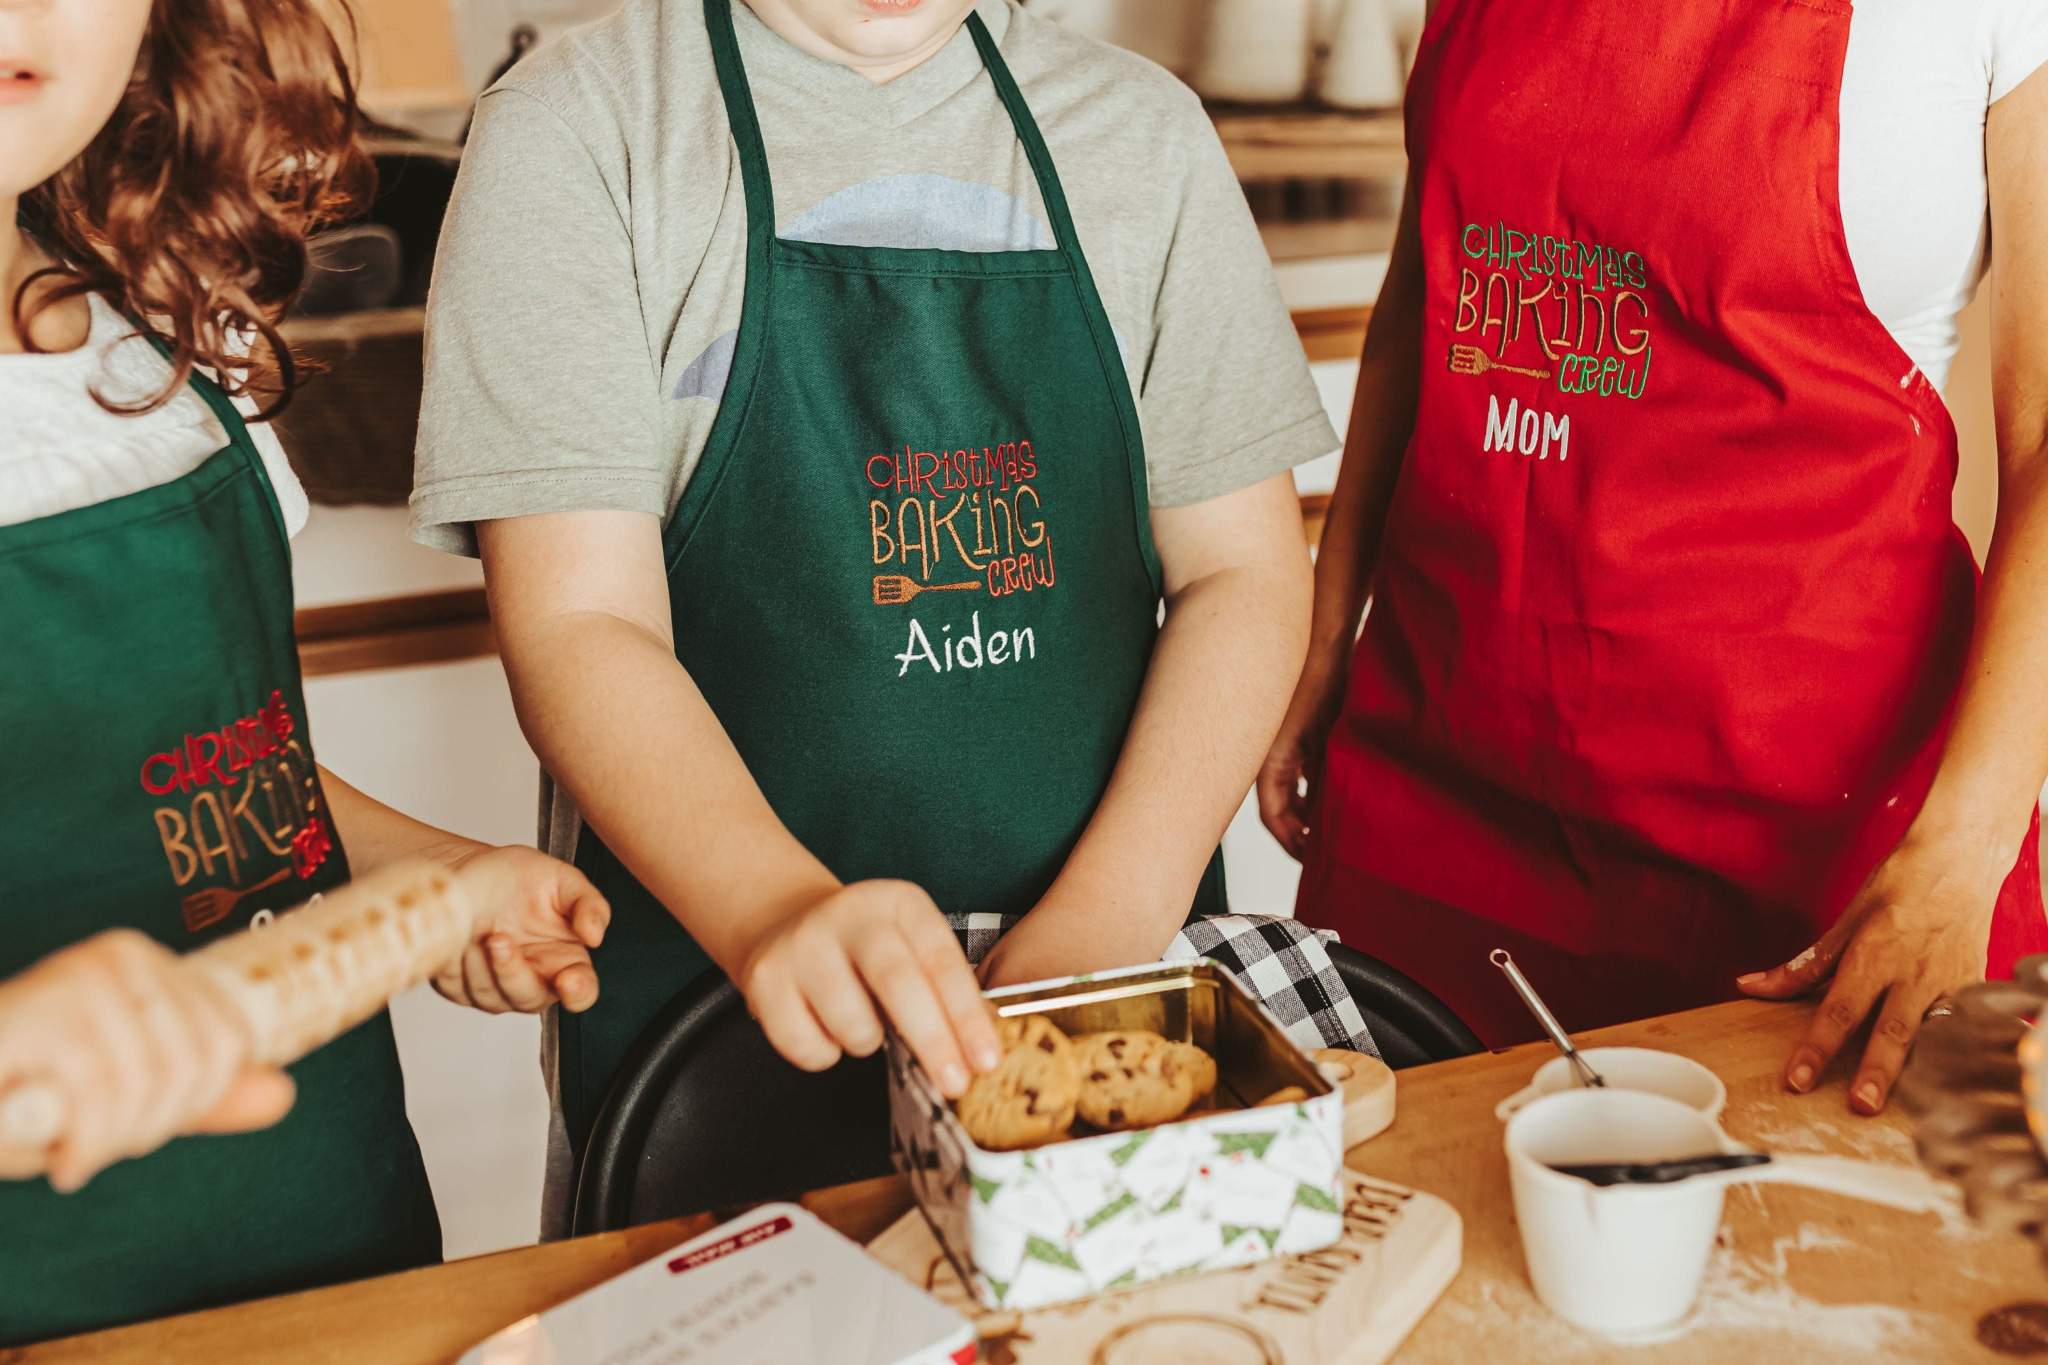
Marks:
<point>113,1047</point>
<point>538,919</point>
<point>110,1048</point>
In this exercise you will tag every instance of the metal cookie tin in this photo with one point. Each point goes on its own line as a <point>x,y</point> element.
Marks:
<point>1114,1210</point>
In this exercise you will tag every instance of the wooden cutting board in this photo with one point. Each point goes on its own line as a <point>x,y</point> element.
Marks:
<point>1349,1304</point>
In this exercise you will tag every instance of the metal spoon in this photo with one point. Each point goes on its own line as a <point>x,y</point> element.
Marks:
<point>1587,1075</point>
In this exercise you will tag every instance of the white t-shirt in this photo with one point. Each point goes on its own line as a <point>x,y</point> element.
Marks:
<point>60,450</point>
<point>1920,78</point>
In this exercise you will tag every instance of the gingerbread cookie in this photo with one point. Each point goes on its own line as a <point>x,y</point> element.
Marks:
<point>1199,1066</point>
<point>1131,1079</point>
<point>1029,1098</point>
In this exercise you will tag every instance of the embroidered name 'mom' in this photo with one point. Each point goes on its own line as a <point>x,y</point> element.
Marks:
<point>1525,431</point>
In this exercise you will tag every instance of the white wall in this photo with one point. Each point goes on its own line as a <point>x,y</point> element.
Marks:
<point>441,743</point>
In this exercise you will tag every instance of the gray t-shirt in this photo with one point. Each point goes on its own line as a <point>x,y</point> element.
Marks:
<point>589,281</point>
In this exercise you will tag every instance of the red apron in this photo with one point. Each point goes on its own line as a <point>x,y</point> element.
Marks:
<point>1672,609</point>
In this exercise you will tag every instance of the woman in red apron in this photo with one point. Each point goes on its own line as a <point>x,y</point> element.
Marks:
<point>1674,667</point>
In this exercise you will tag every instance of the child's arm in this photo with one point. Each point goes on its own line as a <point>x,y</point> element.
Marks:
<point>537,917</point>
<point>1237,605</point>
<point>580,600</point>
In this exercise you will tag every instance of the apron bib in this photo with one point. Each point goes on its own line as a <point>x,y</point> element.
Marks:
<point>1672,609</point>
<point>152,690</point>
<point>913,574</point>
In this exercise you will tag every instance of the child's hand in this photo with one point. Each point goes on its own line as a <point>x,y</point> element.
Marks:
<point>537,920</point>
<point>136,1053</point>
<point>815,979</point>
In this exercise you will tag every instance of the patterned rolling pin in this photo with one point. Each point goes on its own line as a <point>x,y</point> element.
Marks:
<point>308,977</point>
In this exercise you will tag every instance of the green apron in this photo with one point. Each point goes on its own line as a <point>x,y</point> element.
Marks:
<point>913,574</point>
<point>165,781</point>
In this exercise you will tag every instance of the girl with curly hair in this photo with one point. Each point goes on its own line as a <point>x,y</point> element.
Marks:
<point>162,163</point>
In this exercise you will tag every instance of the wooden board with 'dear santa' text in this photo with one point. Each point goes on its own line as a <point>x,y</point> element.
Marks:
<point>1349,1304</point>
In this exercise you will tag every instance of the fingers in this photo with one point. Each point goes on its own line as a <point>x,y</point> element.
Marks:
<point>576,987</point>
<point>127,1019</point>
<point>568,972</point>
<point>1802,974</point>
<point>1281,809</point>
<point>479,983</point>
<point>1285,788</point>
<point>839,998</point>
<point>945,967</point>
<point>1842,1012</point>
<point>589,915</point>
<point>448,983</point>
<point>23,1163</point>
<point>786,1018</point>
<point>1884,1057</point>
<point>254,1099</point>
<point>99,1066</point>
<point>518,984</point>
<point>912,1005</point>
<point>193,1046</point>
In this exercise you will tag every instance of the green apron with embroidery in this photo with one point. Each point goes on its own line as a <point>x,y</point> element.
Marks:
<point>164,781</point>
<point>913,574</point>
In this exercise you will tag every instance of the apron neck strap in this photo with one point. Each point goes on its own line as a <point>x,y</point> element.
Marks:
<point>1027,133</point>
<point>233,424</point>
<point>753,153</point>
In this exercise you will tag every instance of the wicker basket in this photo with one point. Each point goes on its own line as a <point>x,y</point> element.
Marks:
<point>350,432</point>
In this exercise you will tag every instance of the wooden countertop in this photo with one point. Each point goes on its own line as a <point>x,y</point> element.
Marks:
<point>1799,1275</point>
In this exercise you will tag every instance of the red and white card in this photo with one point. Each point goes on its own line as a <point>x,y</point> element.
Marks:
<point>776,1287</point>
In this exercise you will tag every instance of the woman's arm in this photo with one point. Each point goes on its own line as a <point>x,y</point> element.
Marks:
<point>1919,928</point>
<point>580,600</point>
<point>1237,587</point>
<point>1382,421</point>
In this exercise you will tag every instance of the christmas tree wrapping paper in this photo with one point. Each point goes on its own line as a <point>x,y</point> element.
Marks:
<point>1114,1210</point>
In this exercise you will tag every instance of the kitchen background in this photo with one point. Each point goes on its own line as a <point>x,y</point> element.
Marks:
<point>402,684</point>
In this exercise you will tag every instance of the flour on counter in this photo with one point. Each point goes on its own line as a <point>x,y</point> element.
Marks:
<point>1745,1292</point>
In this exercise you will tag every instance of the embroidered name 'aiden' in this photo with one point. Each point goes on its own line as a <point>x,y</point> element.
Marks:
<point>970,651</point>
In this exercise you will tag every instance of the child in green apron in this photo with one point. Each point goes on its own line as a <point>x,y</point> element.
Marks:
<point>160,164</point>
<point>835,391</point>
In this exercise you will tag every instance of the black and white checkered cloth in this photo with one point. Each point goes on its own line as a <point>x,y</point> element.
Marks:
<point>1282,962</point>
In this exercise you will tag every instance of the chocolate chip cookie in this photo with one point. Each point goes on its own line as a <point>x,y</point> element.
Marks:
<point>1029,1098</point>
<point>1131,1079</point>
<point>1199,1066</point>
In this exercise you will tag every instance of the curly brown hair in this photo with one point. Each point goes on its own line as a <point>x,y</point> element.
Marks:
<point>189,212</point>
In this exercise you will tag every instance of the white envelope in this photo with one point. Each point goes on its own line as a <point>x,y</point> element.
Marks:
<point>776,1287</point>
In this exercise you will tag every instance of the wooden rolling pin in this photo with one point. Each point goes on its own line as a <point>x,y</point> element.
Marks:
<point>1368,1085</point>
<point>308,977</point>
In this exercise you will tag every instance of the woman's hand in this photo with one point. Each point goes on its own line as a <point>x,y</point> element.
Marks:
<point>537,920</point>
<point>822,979</point>
<point>1917,931</point>
<point>136,1052</point>
<point>1293,766</point>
